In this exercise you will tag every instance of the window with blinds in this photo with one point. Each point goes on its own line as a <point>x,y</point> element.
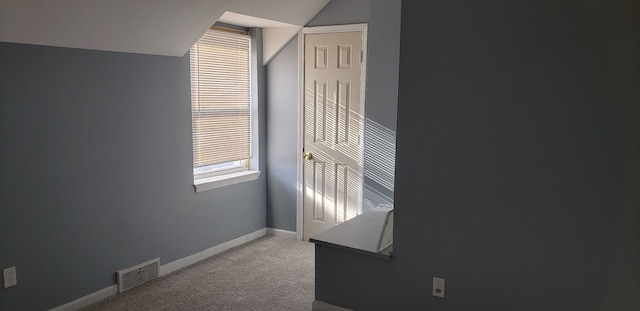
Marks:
<point>221,101</point>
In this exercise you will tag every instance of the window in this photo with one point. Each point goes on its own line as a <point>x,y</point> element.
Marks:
<point>221,108</point>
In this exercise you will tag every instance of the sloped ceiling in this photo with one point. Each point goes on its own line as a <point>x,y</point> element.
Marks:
<point>160,27</point>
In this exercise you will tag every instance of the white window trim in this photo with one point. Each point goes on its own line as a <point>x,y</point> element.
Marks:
<point>210,183</point>
<point>202,183</point>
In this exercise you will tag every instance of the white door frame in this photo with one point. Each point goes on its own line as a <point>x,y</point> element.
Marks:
<point>300,144</point>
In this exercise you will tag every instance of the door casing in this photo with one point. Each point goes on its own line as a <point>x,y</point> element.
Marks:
<point>300,131</point>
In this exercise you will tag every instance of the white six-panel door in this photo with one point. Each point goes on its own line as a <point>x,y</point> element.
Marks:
<point>333,129</point>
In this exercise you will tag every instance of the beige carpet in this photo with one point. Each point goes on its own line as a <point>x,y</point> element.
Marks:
<point>269,273</point>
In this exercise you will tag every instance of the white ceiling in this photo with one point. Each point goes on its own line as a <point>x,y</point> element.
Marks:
<point>250,21</point>
<point>161,27</point>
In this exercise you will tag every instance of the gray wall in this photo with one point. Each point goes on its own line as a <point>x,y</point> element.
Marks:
<point>96,172</point>
<point>338,12</point>
<point>282,148</point>
<point>526,194</point>
<point>382,102</point>
<point>383,18</point>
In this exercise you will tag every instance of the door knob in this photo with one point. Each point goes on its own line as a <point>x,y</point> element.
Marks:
<point>308,156</point>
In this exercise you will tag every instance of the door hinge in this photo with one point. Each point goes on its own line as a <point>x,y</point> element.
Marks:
<point>361,55</point>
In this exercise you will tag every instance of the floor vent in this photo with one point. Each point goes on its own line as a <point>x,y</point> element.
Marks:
<point>138,275</point>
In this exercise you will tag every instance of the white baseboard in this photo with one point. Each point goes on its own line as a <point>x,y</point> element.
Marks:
<point>164,270</point>
<point>323,306</point>
<point>189,260</point>
<point>88,299</point>
<point>282,233</point>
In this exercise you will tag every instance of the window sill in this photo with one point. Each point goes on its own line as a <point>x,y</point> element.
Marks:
<point>210,183</point>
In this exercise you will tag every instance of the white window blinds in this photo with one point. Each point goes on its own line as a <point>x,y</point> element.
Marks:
<point>220,98</point>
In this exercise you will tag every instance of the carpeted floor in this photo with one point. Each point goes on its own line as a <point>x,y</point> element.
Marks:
<point>269,273</point>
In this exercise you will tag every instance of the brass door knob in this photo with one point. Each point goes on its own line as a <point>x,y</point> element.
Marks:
<point>308,156</point>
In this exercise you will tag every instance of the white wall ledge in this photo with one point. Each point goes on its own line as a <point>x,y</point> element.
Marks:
<point>210,183</point>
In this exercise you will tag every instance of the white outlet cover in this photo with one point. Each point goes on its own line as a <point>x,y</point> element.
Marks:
<point>438,287</point>
<point>9,276</point>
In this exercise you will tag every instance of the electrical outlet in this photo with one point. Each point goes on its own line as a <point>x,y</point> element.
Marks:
<point>9,275</point>
<point>438,287</point>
